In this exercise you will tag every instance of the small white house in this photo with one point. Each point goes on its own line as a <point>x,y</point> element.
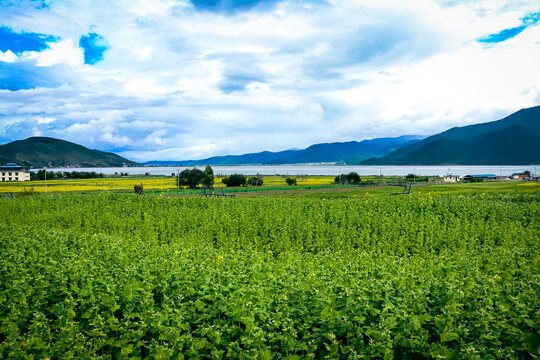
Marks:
<point>13,172</point>
<point>451,178</point>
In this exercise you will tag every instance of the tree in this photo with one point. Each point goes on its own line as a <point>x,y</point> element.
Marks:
<point>353,178</point>
<point>191,178</point>
<point>340,179</point>
<point>41,175</point>
<point>255,181</point>
<point>290,181</point>
<point>234,180</point>
<point>208,179</point>
<point>350,178</point>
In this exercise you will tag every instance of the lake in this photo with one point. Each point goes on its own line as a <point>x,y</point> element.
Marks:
<point>503,170</point>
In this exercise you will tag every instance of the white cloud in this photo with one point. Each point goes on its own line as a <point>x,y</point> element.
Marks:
<point>178,84</point>
<point>64,51</point>
<point>8,56</point>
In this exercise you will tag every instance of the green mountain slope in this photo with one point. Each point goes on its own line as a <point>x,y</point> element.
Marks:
<point>334,152</point>
<point>318,153</point>
<point>513,140</point>
<point>45,151</point>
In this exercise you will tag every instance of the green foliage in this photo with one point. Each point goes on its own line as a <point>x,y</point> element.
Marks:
<point>290,181</point>
<point>510,141</point>
<point>255,181</point>
<point>413,277</point>
<point>350,178</point>
<point>208,179</point>
<point>234,180</point>
<point>39,152</point>
<point>191,178</point>
<point>51,175</point>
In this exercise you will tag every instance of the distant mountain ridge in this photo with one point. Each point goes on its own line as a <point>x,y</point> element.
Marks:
<point>318,153</point>
<point>38,152</point>
<point>513,140</point>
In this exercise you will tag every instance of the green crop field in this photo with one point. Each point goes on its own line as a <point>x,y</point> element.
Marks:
<point>447,274</point>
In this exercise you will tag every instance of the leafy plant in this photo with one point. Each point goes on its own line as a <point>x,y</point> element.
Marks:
<point>234,180</point>
<point>290,181</point>
<point>255,181</point>
<point>192,177</point>
<point>412,277</point>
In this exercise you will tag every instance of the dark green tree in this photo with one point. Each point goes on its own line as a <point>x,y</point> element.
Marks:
<point>208,179</point>
<point>350,178</point>
<point>235,180</point>
<point>190,178</point>
<point>255,181</point>
<point>290,181</point>
<point>353,178</point>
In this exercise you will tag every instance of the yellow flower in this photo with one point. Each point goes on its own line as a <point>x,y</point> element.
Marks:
<point>220,258</point>
<point>496,277</point>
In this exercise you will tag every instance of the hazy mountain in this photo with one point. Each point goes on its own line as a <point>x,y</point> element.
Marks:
<point>45,151</point>
<point>318,153</point>
<point>513,140</point>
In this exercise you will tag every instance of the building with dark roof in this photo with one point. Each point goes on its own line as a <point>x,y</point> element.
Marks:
<point>477,178</point>
<point>521,176</point>
<point>13,172</point>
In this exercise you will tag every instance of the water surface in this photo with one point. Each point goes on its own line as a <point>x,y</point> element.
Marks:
<point>503,170</point>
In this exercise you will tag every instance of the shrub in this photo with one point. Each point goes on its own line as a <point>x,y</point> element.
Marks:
<point>255,181</point>
<point>290,181</point>
<point>234,180</point>
<point>350,178</point>
<point>353,178</point>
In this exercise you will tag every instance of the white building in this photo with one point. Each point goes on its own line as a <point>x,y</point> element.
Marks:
<point>13,172</point>
<point>451,178</point>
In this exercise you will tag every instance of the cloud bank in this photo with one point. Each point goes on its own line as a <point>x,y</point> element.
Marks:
<point>175,79</point>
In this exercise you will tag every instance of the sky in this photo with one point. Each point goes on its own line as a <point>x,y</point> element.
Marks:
<point>190,79</point>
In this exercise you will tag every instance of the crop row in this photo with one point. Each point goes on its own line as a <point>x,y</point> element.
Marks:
<point>120,276</point>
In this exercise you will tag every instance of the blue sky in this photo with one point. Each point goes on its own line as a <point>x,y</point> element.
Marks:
<point>180,79</point>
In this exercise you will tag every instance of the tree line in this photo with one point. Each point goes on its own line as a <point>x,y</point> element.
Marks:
<point>192,178</point>
<point>50,175</point>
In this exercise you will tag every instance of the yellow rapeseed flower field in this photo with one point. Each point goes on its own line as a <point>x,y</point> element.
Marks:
<point>79,185</point>
<point>158,183</point>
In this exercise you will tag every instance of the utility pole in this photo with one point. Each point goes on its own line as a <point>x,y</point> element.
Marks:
<point>45,170</point>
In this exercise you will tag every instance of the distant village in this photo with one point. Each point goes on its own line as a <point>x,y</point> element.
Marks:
<point>525,175</point>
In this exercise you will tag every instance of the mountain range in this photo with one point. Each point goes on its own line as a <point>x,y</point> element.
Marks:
<point>38,152</point>
<point>347,152</point>
<point>513,140</point>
